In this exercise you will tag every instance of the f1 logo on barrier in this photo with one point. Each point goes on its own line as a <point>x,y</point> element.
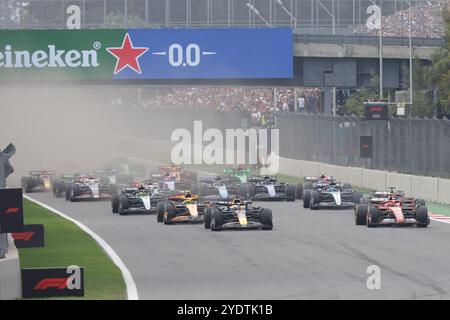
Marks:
<point>53,282</point>
<point>25,236</point>
<point>11,210</point>
<point>59,283</point>
<point>32,236</point>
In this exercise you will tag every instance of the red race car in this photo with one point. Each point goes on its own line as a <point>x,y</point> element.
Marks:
<point>394,209</point>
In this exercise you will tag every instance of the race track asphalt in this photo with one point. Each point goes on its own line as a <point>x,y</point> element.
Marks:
<point>308,255</point>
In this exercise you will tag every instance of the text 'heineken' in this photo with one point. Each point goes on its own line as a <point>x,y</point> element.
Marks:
<point>51,58</point>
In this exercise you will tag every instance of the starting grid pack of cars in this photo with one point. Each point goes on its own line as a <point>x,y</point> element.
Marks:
<point>225,201</point>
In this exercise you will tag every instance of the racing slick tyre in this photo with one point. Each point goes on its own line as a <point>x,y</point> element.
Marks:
<point>266,219</point>
<point>306,197</point>
<point>372,217</point>
<point>26,186</point>
<point>123,206</point>
<point>55,188</point>
<point>291,192</point>
<point>360,214</point>
<point>357,196</point>
<point>346,186</point>
<point>308,185</point>
<point>299,191</point>
<point>114,189</point>
<point>115,201</point>
<point>422,218</point>
<point>216,220</point>
<point>315,200</point>
<point>75,191</point>
<point>169,214</point>
<point>207,218</point>
<point>247,190</point>
<point>61,189</point>
<point>420,202</point>
<point>160,211</point>
<point>68,193</point>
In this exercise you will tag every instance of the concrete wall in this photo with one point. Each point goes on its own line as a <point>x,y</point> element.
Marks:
<point>428,188</point>
<point>10,275</point>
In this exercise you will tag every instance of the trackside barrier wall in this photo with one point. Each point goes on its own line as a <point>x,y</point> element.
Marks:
<point>428,188</point>
<point>444,190</point>
<point>10,276</point>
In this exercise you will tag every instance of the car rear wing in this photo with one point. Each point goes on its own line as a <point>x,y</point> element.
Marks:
<point>40,173</point>
<point>261,178</point>
<point>232,170</point>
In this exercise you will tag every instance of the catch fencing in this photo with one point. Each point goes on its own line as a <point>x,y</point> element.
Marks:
<point>417,146</point>
<point>320,138</point>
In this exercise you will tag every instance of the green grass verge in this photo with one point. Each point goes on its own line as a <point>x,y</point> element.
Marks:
<point>438,208</point>
<point>66,244</point>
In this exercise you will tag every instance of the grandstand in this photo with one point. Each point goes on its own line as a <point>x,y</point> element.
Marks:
<point>340,17</point>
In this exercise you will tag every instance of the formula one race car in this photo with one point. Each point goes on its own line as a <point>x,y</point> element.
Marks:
<point>237,214</point>
<point>37,180</point>
<point>222,186</point>
<point>310,183</point>
<point>266,188</point>
<point>60,183</point>
<point>180,208</point>
<point>135,199</point>
<point>333,195</point>
<point>178,173</point>
<point>238,172</point>
<point>114,176</point>
<point>89,187</point>
<point>393,209</point>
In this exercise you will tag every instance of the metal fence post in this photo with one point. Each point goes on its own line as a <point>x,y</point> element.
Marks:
<point>5,170</point>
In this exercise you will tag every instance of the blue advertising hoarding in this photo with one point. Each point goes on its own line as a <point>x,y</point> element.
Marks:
<point>207,54</point>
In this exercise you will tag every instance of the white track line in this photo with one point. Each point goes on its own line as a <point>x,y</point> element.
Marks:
<point>132,293</point>
<point>439,217</point>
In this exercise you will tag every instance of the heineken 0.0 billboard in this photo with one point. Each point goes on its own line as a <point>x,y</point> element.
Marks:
<point>145,54</point>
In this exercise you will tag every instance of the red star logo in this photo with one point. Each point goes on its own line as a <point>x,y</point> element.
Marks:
<point>127,55</point>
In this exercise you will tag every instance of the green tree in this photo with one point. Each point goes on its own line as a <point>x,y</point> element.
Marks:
<point>422,102</point>
<point>441,68</point>
<point>355,104</point>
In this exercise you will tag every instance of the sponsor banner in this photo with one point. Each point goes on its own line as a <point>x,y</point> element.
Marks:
<point>11,210</point>
<point>145,54</point>
<point>32,236</point>
<point>53,282</point>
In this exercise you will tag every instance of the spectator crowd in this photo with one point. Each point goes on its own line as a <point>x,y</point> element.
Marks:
<point>426,20</point>
<point>258,103</point>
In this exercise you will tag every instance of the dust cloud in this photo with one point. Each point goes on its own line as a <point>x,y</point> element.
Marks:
<point>65,129</point>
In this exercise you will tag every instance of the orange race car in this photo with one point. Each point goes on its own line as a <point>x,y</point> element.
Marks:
<point>181,208</point>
